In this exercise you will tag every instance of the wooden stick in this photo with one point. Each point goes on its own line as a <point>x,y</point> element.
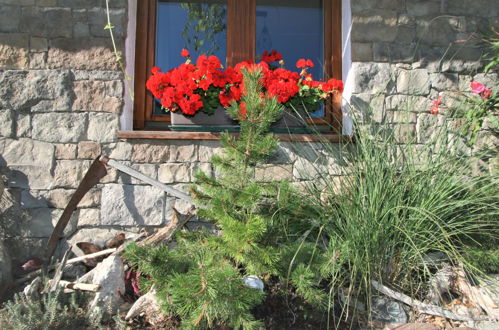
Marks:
<point>70,261</point>
<point>59,270</point>
<point>166,232</point>
<point>80,286</point>
<point>422,307</point>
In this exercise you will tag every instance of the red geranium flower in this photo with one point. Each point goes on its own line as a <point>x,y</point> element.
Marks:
<point>185,53</point>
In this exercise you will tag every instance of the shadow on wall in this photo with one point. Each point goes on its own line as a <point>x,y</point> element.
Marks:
<point>68,37</point>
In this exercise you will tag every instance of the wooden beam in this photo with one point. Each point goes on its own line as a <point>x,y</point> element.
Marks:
<point>241,31</point>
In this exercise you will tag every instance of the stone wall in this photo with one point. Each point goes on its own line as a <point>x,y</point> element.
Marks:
<point>61,96</point>
<point>405,53</point>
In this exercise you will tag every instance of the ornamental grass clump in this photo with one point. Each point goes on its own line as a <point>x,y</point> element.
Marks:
<point>396,204</point>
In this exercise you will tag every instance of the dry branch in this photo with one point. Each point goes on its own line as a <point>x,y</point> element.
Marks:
<point>79,286</point>
<point>422,307</point>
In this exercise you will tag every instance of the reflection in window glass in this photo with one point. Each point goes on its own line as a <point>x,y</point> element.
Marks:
<point>295,29</point>
<point>198,26</point>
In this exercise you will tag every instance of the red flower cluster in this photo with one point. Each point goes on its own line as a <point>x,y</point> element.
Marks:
<point>182,87</point>
<point>190,87</point>
<point>273,56</point>
<point>303,63</point>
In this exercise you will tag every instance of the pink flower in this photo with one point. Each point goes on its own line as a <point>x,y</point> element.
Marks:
<point>487,94</point>
<point>476,87</point>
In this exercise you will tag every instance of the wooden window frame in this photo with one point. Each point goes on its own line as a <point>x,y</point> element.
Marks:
<point>241,45</point>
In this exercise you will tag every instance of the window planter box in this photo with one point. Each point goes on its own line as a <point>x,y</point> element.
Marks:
<point>220,121</point>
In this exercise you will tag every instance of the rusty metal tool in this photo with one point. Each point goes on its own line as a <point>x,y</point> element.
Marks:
<point>96,172</point>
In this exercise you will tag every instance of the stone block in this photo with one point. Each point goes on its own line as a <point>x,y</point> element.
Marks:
<point>488,79</point>
<point>114,88</point>
<point>208,149</point>
<point>88,150</point>
<point>60,127</point>
<point>404,117</point>
<point>18,2</point>
<point>31,199</point>
<point>481,8</point>
<point>97,75</point>
<point>92,95</point>
<point>29,177</point>
<point>88,217</point>
<point>40,90</point>
<point>98,20</point>
<point>6,123</point>
<point>374,26</point>
<point>437,31</point>
<point>23,125</point>
<point>206,168</point>
<point>423,8</point>
<point>27,152</point>
<point>81,54</point>
<point>119,150</point>
<point>413,82</point>
<point>394,52</point>
<point>69,173</point>
<point>177,172</point>
<point>284,154</point>
<point>46,3</point>
<point>183,151</point>
<point>14,51</point>
<point>407,103</point>
<point>125,205</point>
<point>47,22</point>
<point>274,173</point>
<point>426,127</point>
<point>148,170</point>
<point>38,61</point>
<point>79,3</point>
<point>405,133</point>
<point>37,44</point>
<point>362,52</point>
<point>10,16</point>
<point>372,78</point>
<point>102,127</point>
<point>444,81</point>
<point>150,153</point>
<point>81,30</point>
<point>39,223</point>
<point>65,151</point>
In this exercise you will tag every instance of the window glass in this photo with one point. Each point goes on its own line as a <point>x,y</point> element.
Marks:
<point>294,28</point>
<point>198,26</point>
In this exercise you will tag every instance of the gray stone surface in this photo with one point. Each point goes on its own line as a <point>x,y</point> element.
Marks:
<point>6,123</point>
<point>69,173</point>
<point>60,127</point>
<point>154,152</point>
<point>23,90</point>
<point>25,152</point>
<point>374,25</point>
<point>81,54</point>
<point>10,16</point>
<point>14,51</point>
<point>174,172</point>
<point>46,22</point>
<point>127,205</point>
<point>413,82</point>
<point>102,127</point>
<point>110,275</point>
<point>372,78</point>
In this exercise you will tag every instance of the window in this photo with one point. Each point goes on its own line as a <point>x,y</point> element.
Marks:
<point>236,30</point>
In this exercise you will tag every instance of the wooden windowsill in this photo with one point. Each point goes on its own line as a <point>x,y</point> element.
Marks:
<point>170,135</point>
